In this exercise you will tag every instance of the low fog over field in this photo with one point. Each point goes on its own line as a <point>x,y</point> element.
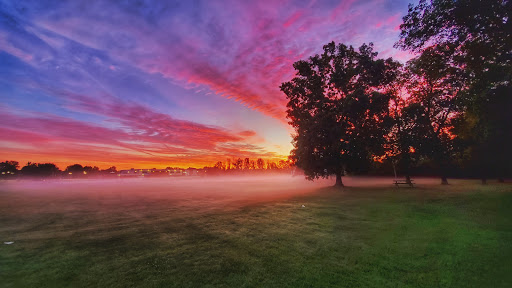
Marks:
<point>132,196</point>
<point>191,193</point>
<point>106,204</point>
<point>261,231</point>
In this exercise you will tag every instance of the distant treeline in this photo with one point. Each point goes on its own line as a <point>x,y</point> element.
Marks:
<point>249,166</point>
<point>12,170</point>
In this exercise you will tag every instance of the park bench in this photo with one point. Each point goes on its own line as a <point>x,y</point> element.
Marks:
<point>398,182</point>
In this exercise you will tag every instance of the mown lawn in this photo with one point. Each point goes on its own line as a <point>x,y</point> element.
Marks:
<point>430,236</point>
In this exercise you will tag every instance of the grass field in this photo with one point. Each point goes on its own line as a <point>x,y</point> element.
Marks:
<point>255,233</point>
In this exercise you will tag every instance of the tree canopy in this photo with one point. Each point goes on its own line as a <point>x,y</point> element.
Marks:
<point>40,169</point>
<point>9,166</point>
<point>338,106</point>
<point>473,38</point>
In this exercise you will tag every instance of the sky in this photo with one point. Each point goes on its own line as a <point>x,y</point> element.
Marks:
<point>151,84</point>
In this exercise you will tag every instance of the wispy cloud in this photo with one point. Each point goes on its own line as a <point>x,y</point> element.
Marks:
<point>142,135</point>
<point>132,72</point>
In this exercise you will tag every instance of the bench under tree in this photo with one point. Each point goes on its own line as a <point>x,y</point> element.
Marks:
<point>398,182</point>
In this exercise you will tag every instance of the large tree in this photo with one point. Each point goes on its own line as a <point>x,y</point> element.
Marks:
<point>485,132</point>
<point>260,163</point>
<point>435,87</point>
<point>9,166</point>
<point>476,36</point>
<point>406,133</point>
<point>40,170</point>
<point>338,106</point>
<point>8,169</point>
<point>75,169</point>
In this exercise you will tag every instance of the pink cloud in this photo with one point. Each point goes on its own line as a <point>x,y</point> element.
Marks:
<point>247,133</point>
<point>390,21</point>
<point>237,50</point>
<point>293,18</point>
<point>153,126</point>
<point>341,10</point>
<point>7,46</point>
<point>144,136</point>
<point>19,136</point>
<point>245,59</point>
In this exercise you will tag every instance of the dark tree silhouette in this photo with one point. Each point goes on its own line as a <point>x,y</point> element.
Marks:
<point>238,164</point>
<point>40,170</point>
<point>91,170</point>
<point>261,163</point>
<point>405,134</point>
<point>282,164</point>
<point>9,166</point>
<point>435,88</point>
<point>478,32</point>
<point>75,169</point>
<point>219,165</point>
<point>476,36</point>
<point>339,110</point>
<point>113,170</point>
<point>485,132</point>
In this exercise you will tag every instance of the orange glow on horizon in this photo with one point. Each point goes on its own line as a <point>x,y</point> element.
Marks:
<point>127,163</point>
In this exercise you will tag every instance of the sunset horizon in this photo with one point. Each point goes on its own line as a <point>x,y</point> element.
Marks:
<point>151,85</point>
<point>228,143</point>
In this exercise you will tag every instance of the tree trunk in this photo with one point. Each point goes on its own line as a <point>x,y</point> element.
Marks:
<point>408,178</point>
<point>484,180</point>
<point>443,167</point>
<point>339,183</point>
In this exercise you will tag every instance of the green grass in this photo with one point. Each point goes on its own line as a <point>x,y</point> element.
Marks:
<point>433,236</point>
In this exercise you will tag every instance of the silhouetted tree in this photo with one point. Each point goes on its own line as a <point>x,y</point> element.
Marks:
<point>75,170</point>
<point>30,169</point>
<point>485,131</point>
<point>91,170</point>
<point>477,32</point>
<point>435,89</point>
<point>476,38</point>
<point>339,110</point>
<point>283,164</point>
<point>271,165</point>
<point>9,167</point>
<point>238,164</point>
<point>219,165</point>
<point>405,135</point>
<point>40,170</point>
<point>261,163</point>
<point>113,170</point>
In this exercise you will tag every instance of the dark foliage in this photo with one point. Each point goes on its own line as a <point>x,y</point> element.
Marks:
<point>338,106</point>
<point>40,170</point>
<point>474,39</point>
